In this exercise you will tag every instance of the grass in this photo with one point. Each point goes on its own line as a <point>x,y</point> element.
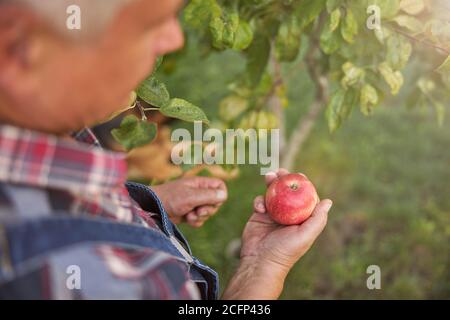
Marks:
<point>389,177</point>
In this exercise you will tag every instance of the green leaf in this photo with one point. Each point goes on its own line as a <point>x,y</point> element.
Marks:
<point>412,7</point>
<point>393,78</point>
<point>382,34</point>
<point>335,19</point>
<point>334,109</point>
<point>131,104</point>
<point>352,75</point>
<point>231,28</point>
<point>398,51</point>
<point>224,29</point>
<point>308,11</point>
<point>198,13</point>
<point>217,27</point>
<point>266,120</point>
<point>183,110</point>
<point>388,8</point>
<point>411,23</point>
<point>158,63</point>
<point>244,36</point>
<point>352,98</point>
<point>426,86</point>
<point>239,88</point>
<point>288,40</point>
<point>232,107</point>
<point>349,28</point>
<point>259,120</point>
<point>369,98</point>
<point>257,58</point>
<point>265,86</point>
<point>134,133</point>
<point>329,41</point>
<point>438,30</point>
<point>153,92</point>
<point>333,5</point>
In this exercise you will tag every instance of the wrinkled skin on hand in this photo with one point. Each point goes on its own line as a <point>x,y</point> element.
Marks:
<point>192,200</point>
<point>280,244</point>
<point>270,250</point>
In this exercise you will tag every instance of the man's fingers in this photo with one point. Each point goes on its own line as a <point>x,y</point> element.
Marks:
<point>198,224</point>
<point>191,217</point>
<point>312,227</point>
<point>259,205</point>
<point>207,197</point>
<point>198,217</point>
<point>194,220</point>
<point>206,191</point>
<point>271,176</point>
<point>206,183</point>
<point>282,172</point>
<point>206,211</point>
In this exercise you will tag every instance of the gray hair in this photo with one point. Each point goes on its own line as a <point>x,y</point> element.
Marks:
<point>95,14</point>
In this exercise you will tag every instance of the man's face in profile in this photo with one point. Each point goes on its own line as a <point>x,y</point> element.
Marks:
<point>70,83</point>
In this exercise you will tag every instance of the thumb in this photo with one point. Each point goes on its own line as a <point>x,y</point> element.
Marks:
<point>311,228</point>
<point>202,197</point>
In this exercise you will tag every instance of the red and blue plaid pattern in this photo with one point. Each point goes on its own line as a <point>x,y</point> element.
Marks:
<point>83,179</point>
<point>47,161</point>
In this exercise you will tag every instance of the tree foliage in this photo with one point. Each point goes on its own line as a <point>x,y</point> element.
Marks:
<point>362,47</point>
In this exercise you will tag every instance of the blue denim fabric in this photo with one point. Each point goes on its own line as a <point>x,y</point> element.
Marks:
<point>32,238</point>
<point>141,194</point>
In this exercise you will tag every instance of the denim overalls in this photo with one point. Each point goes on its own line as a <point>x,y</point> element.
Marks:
<point>44,234</point>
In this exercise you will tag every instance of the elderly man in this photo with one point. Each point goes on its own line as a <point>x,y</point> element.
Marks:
<point>70,224</point>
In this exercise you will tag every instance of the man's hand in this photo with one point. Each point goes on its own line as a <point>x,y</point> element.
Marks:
<point>270,250</point>
<point>193,200</point>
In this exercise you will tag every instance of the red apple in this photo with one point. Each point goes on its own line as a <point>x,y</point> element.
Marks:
<point>291,199</point>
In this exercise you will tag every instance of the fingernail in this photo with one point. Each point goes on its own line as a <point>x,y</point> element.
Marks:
<point>221,195</point>
<point>260,206</point>
<point>203,213</point>
<point>271,173</point>
<point>328,204</point>
<point>192,218</point>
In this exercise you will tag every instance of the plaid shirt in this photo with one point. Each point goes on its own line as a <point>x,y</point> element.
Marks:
<point>81,178</point>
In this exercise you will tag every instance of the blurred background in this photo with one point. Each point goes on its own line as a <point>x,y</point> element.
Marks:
<point>388,175</point>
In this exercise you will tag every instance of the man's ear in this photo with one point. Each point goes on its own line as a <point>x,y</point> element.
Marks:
<point>17,31</point>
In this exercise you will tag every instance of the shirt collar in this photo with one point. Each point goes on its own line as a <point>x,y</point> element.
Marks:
<point>32,158</point>
<point>86,136</point>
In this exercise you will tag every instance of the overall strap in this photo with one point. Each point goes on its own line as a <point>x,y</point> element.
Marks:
<point>42,230</point>
<point>32,238</point>
<point>38,229</point>
<point>37,238</point>
<point>27,202</point>
<point>150,202</point>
